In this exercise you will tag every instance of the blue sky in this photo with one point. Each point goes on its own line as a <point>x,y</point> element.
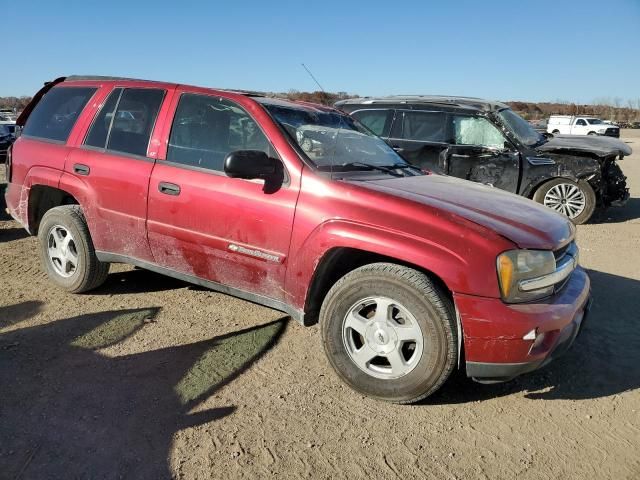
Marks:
<point>508,50</point>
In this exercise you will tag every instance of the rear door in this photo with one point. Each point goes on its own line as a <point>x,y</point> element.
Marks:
<point>420,136</point>
<point>204,224</point>
<point>114,170</point>
<point>480,152</point>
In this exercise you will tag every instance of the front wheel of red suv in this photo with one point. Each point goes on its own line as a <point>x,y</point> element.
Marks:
<point>389,332</point>
<point>67,252</point>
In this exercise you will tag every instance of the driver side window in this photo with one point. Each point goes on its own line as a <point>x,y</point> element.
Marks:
<point>581,122</point>
<point>205,129</point>
<point>476,131</point>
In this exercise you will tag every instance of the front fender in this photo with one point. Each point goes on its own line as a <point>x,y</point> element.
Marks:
<point>572,167</point>
<point>472,273</point>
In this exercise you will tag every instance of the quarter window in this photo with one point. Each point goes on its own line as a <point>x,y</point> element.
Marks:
<point>57,112</point>
<point>206,129</point>
<point>477,131</point>
<point>97,136</point>
<point>375,120</point>
<point>423,126</point>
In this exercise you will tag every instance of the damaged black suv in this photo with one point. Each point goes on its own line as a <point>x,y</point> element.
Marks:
<point>487,142</point>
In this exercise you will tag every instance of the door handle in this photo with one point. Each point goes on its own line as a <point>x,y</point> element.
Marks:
<point>81,169</point>
<point>169,188</point>
<point>398,149</point>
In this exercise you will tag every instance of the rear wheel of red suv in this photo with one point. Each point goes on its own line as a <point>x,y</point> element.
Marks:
<point>389,332</point>
<point>67,252</point>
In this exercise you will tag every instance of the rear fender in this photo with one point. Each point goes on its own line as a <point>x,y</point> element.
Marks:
<point>18,195</point>
<point>85,196</point>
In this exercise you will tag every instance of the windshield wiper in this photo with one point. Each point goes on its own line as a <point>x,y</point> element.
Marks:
<point>402,166</point>
<point>390,169</point>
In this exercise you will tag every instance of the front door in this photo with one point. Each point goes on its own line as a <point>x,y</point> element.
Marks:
<point>580,127</point>
<point>204,224</point>
<point>479,152</point>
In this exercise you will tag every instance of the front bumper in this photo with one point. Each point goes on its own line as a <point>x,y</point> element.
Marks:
<point>611,132</point>
<point>494,332</point>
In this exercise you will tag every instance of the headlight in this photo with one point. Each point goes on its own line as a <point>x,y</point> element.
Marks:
<point>515,266</point>
<point>602,130</point>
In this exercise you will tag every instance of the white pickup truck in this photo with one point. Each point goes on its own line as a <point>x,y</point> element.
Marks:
<point>577,125</point>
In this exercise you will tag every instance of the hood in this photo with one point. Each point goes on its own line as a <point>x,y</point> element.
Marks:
<point>524,222</point>
<point>601,146</point>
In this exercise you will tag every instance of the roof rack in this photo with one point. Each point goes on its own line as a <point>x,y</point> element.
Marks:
<point>101,77</point>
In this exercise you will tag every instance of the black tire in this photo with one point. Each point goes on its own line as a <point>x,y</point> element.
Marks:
<point>591,133</point>
<point>431,308</point>
<point>585,188</point>
<point>556,132</point>
<point>89,272</point>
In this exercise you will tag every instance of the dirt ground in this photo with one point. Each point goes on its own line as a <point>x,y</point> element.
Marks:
<point>149,377</point>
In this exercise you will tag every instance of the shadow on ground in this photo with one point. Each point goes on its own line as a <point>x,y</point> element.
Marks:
<point>11,234</point>
<point>137,281</point>
<point>69,411</point>
<point>604,360</point>
<point>14,314</point>
<point>629,211</point>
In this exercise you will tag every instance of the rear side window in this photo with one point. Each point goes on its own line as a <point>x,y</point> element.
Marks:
<point>424,126</point>
<point>126,120</point>
<point>57,112</point>
<point>205,129</point>
<point>378,121</point>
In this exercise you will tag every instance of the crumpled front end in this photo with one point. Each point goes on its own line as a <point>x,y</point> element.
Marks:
<point>613,186</point>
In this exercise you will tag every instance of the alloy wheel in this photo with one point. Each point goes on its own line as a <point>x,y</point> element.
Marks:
<point>567,199</point>
<point>62,251</point>
<point>382,337</point>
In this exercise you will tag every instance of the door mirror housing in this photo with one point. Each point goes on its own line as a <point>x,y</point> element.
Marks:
<point>250,164</point>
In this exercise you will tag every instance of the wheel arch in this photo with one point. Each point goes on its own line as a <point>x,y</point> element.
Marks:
<point>339,261</point>
<point>43,198</point>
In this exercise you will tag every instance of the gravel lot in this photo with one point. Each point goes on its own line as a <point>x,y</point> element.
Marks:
<point>149,377</point>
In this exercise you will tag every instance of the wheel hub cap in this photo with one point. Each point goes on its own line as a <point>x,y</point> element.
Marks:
<point>382,337</point>
<point>62,252</point>
<point>567,199</point>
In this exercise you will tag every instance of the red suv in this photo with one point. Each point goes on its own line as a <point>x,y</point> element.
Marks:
<point>300,208</point>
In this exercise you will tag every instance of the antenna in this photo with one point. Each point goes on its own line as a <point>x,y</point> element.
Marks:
<point>314,78</point>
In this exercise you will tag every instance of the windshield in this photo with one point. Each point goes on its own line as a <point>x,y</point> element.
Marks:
<point>522,130</point>
<point>595,121</point>
<point>332,140</point>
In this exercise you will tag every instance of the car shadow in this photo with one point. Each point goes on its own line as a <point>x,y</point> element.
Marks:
<point>629,211</point>
<point>14,314</point>
<point>137,280</point>
<point>68,410</point>
<point>11,234</point>
<point>604,360</point>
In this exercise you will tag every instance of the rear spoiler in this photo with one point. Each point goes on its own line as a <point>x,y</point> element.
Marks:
<point>22,119</point>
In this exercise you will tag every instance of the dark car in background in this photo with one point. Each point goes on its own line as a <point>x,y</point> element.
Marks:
<point>487,142</point>
<point>7,136</point>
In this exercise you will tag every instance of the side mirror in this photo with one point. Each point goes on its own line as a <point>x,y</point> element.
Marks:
<point>250,164</point>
